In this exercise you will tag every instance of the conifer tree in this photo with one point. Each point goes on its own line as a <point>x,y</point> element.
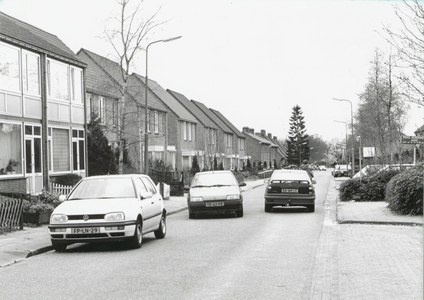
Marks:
<point>297,142</point>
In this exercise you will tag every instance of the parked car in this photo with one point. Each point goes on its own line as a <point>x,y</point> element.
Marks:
<point>109,209</point>
<point>215,192</point>
<point>290,188</point>
<point>341,170</point>
<point>322,168</point>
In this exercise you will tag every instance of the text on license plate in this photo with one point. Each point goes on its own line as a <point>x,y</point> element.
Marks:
<point>289,190</point>
<point>85,230</point>
<point>211,204</point>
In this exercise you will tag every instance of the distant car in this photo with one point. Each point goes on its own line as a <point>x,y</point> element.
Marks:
<point>109,209</point>
<point>322,168</point>
<point>341,170</point>
<point>215,192</point>
<point>290,188</point>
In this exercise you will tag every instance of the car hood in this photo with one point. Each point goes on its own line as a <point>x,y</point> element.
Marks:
<point>93,206</point>
<point>214,193</point>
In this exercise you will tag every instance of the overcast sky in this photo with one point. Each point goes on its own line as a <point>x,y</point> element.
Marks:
<point>251,60</point>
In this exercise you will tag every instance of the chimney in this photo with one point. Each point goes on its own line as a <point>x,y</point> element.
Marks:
<point>246,129</point>
<point>270,136</point>
<point>274,137</point>
<point>263,132</point>
<point>252,130</point>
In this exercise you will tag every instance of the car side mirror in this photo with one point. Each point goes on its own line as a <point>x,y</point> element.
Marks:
<point>62,198</point>
<point>242,184</point>
<point>313,181</point>
<point>146,195</point>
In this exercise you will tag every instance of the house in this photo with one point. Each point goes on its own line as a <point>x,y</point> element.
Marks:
<point>259,148</point>
<point>181,126</point>
<point>42,103</point>
<point>238,160</point>
<point>277,151</point>
<point>206,132</point>
<point>105,87</point>
<point>225,152</point>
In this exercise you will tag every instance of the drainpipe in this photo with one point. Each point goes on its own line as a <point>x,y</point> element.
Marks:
<point>44,123</point>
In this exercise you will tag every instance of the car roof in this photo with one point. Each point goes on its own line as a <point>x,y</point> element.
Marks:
<point>214,172</point>
<point>116,176</point>
<point>290,175</point>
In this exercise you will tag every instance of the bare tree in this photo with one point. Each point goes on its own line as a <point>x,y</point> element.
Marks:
<point>409,42</point>
<point>127,36</point>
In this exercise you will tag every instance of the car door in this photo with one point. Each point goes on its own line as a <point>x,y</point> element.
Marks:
<point>146,204</point>
<point>156,200</point>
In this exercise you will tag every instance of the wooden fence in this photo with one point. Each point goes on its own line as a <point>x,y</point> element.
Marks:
<point>10,214</point>
<point>61,189</point>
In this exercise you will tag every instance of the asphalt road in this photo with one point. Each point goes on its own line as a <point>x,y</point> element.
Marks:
<point>260,256</point>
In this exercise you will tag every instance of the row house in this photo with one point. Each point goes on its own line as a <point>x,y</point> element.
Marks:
<point>182,130</point>
<point>42,103</point>
<point>238,160</point>
<point>105,87</point>
<point>277,152</point>
<point>225,151</point>
<point>206,132</point>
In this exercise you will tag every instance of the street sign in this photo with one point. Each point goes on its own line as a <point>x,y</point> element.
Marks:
<point>412,139</point>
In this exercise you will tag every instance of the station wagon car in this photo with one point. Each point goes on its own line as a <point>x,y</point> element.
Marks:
<point>215,192</point>
<point>109,209</point>
<point>290,188</point>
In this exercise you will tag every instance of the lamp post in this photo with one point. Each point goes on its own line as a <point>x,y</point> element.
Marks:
<point>351,121</point>
<point>347,168</point>
<point>146,136</point>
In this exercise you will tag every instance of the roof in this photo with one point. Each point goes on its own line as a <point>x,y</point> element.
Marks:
<point>137,89</point>
<point>97,80</point>
<point>20,33</point>
<point>228,123</point>
<point>258,138</point>
<point>197,112</point>
<point>173,104</point>
<point>419,131</point>
<point>212,116</point>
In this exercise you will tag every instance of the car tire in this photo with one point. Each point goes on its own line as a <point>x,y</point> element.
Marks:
<point>239,213</point>
<point>268,208</point>
<point>311,208</point>
<point>59,247</point>
<point>137,239</point>
<point>160,233</point>
<point>191,215</point>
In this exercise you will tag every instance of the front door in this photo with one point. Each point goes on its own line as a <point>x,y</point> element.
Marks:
<point>33,160</point>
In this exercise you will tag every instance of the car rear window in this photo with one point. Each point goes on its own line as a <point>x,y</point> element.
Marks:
<point>104,188</point>
<point>213,179</point>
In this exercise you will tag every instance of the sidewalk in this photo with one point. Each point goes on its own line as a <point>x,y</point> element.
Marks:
<point>21,244</point>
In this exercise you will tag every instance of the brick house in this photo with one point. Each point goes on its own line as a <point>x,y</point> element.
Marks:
<point>258,147</point>
<point>42,103</point>
<point>104,90</point>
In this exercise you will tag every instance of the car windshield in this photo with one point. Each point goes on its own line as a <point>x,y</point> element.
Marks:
<point>213,179</point>
<point>104,188</point>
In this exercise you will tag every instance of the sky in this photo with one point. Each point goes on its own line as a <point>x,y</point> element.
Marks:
<point>252,60</point>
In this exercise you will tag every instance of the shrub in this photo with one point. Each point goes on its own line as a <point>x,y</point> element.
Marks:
<point>372,187</point>
<point>404,192</point>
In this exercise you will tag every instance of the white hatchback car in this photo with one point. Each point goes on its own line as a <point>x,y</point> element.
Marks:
<point>109,208</point>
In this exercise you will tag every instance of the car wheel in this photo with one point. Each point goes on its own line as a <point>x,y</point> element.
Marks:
<point>59,247</point>
<point>268,208</point>
<point>311,208</point>
<point>161,231</point>
<point>137,239</point>
<point>239,213</point>
<point>191,215</point>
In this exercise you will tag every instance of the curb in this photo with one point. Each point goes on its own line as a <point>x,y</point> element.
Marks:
<point>39,251</point>
<point>411,224</point>
<point>176,211</point>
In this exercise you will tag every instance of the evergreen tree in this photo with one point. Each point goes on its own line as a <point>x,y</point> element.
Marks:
<point>101,159</point>
<point>297,142</point>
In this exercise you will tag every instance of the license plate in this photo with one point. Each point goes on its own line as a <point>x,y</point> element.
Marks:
<point>289,190</point>
<point>212,204</point>
<point>88,230</point>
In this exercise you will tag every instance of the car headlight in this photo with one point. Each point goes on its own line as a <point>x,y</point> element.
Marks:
<point>196,199</point>
<point>58,218</point>
<point>233,197</point>
<point>115,216</point>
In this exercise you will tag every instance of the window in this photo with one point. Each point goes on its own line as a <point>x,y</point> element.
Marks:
<point>78,150</point>
<point>184,129</point>
<point>189,131</point>
<point>156,114</point>
<point>57,76</point>
<point>9,68</point>
<point>193,132</point>
<point>31,73</point>
<point>11,145</point>
<point>149,185</point>
<point>76,85</point>
<point>102,110</point>
<point>61,151</point>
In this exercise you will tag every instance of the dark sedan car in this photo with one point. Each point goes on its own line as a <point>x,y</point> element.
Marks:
<point>290,188</point>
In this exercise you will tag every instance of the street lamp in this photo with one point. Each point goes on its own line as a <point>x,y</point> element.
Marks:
<point>146,136</point>
<point>351,121</point>
<point>347,168</point>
